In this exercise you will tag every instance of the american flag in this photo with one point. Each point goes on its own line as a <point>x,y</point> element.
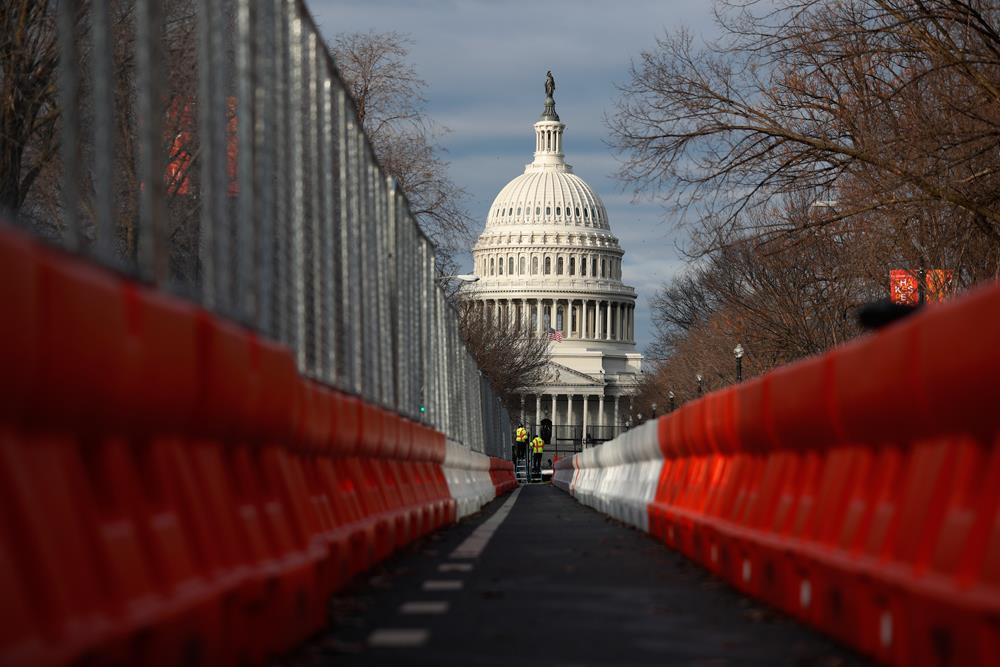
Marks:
<point>555,335</point>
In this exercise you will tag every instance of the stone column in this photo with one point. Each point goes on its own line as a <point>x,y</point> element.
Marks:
<point>600,411</point>
<point>597,320</point>
<point>538,314</point>
<point>538,413</point>
<point>569,413</point>
<point>583,431</point>
<point>607,333</point>
<point>621,321</point>
<point>554,419</point>
<point>522,408</point>
<point>614,425</point>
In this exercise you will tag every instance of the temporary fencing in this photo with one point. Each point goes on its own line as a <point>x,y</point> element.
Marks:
<point>858,491</point>
<point>213,151</point>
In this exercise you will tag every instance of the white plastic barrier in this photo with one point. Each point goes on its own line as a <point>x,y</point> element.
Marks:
<point>563,476</point>
<point>468,477</point>
<point>619,477</point>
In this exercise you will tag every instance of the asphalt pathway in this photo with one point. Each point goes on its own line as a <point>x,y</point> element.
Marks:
<point>538,579</point>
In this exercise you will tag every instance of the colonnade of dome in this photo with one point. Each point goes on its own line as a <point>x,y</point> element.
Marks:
<point>576,318</point>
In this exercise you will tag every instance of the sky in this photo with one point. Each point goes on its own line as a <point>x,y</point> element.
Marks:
<point>484,63</point>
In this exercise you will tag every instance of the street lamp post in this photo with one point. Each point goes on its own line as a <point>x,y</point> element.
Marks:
<point>738,353</point>
<point>670,395</point>
<point>699,377</point>
<point>654,410</point>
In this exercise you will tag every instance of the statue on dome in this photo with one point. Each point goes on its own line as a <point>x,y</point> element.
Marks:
<point>550,84</point>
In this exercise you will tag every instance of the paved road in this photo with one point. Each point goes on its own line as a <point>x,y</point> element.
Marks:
<point>558,585</point>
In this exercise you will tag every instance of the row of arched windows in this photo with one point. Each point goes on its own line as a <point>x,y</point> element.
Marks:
<point>593,266</point>
<point>585,213</point>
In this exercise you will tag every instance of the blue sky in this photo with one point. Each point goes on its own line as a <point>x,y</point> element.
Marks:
<point>484,63</point>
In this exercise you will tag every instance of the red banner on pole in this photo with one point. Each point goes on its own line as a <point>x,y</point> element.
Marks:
<point>904,285</point>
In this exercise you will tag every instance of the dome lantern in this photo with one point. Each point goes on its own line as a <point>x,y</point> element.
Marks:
<point>549,131</point>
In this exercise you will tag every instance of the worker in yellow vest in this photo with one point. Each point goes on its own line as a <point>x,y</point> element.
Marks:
<point>520,443</point>
<point>537,446</point>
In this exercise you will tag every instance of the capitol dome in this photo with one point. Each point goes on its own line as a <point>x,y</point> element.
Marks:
<point>548,194</point>
<point>547,260</point>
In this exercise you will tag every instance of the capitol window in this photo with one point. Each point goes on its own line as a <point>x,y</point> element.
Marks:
<point>576,212</point>
<point>492,266</point>
<point>558,211</point>
<point>519,210</point>
<point>534,266</point>
<point>538,210</point>
<point>583,265</point>
<point>559,266</point>
<point>572,266</point>
<point>585,215</point>
<point>510,266</point>
<point>548,210</point>
<point>501,266</point>
<point>603,272</point>
<point>521,266</point>
<point>548,266</point>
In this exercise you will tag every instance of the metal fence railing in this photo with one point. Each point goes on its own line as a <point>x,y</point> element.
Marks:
<point>210,148</point>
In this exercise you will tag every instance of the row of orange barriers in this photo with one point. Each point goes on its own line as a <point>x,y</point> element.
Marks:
<point>858,491</point>
<point>172,491</point>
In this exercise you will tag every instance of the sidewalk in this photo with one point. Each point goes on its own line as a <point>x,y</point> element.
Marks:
<point>556,584</point>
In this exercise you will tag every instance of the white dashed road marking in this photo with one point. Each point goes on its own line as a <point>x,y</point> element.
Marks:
<point>455,567</point>
<point>481,536</point>
<point>442,585</point>
<point>427,607</point>
<point>398,638</point>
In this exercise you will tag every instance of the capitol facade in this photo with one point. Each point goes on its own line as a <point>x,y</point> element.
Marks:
<point>547,258</point>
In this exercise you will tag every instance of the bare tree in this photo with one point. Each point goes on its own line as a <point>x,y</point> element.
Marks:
<point>814,147</point>
<point>28,108</point>
<point>808,95</point>
<point>389,96</point>
<point>510,353</point>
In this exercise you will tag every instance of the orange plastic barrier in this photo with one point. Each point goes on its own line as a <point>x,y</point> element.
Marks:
<point>858,491</point>
<point>502,475</point>
<point>172,491</point>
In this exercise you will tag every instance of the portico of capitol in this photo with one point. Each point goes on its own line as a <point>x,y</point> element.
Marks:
<point>547,257</point>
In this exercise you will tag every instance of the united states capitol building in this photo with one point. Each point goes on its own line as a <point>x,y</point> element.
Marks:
<point>547,257</point>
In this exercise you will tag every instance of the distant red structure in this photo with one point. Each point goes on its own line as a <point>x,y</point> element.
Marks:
<point>181,153</point>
